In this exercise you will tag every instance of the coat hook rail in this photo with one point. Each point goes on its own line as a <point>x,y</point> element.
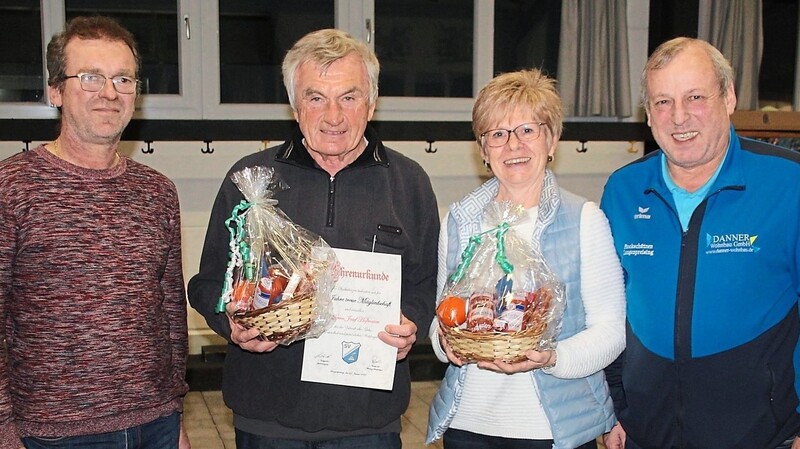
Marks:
<point>430,148</point>
<point>207,149</point>
<point>583,148</point>
<point>149,149</point>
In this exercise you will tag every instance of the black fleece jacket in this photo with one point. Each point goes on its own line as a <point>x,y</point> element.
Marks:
<point>382,195</point>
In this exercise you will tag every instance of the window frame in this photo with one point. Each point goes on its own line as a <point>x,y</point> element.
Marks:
<point>357,17</point>
<point>187,104</point>
<point>199,97</point>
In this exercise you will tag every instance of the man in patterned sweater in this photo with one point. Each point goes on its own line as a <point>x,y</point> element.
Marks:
<point>91,285</point>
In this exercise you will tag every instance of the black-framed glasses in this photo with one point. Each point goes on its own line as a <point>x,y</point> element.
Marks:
<point>526,132</point>
<point>94,82</point>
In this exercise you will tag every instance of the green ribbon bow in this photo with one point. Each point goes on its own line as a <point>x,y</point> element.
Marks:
<point>235,225</point>
<point>469,252</point>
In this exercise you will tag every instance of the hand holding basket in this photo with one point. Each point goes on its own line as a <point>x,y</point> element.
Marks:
<point>278,275</point>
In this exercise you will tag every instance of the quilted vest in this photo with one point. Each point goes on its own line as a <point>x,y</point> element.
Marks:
<point>579,410</point>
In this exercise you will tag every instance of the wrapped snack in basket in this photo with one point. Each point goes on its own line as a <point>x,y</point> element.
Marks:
<point>503,299</point>
<point>279,276</point>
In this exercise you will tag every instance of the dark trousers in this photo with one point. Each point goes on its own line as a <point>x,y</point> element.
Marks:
<point>785,445</point>
<point>461,439</point>
<point>245,440</point>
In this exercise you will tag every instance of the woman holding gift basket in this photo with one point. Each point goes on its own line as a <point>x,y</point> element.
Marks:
<point>531,296</point>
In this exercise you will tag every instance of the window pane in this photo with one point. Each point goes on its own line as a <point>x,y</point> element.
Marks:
<point>526,35</point>
<point>777,74</point>
<point>254,36</point>
<point>21,66</point>
<point>424,47</point>
<point>154,23</point>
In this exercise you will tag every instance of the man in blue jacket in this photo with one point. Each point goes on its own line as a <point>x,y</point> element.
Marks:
<point>708,232</point>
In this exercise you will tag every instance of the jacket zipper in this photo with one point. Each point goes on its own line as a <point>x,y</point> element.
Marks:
<point>679,311</point>
<point>329,216</point>
<point>684,301</point>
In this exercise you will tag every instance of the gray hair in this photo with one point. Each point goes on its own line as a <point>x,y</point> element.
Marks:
<point>669,49</point>
<point>324,47</point>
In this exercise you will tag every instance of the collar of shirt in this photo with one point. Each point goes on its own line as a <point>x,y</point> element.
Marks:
<point>686,202</point>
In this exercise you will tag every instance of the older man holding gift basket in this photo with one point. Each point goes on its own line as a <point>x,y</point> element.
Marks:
<point>531,292</point>
<point>346,187</point>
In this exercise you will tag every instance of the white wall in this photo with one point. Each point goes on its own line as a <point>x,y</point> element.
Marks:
<point>454,169</point>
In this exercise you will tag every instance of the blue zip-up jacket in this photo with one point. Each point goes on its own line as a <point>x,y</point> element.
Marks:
<point>712,340</point>
<point>578,409</point>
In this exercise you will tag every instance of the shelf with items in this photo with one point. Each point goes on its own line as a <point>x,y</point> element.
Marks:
<point>766,124</point>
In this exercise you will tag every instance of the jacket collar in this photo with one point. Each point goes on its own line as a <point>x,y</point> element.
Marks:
<point>469,211</point>
<point>294,152</point>
<point>730,175</point>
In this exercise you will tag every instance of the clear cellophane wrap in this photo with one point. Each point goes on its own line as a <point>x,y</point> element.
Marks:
<point>514,302</point>
<point>279,276</point>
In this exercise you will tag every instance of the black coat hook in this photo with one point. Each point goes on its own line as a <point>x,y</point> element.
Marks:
<point>149,149</point>
<point>207,149</point>
<point>27,143</point>
<point>583,148</point>
<point>430,148</point>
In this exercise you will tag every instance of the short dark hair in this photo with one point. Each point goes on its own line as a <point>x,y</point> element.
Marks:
<point>85,27</point>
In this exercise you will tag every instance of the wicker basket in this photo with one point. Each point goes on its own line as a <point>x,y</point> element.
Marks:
<point>509,347</point>
<point>282,321</point>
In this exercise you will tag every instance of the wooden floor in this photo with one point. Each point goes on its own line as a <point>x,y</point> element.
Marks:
<point>210,423</point>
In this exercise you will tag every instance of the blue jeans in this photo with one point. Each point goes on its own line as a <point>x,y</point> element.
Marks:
<point>161,433</point>
<point>461,439</point>
<point>245,440</point>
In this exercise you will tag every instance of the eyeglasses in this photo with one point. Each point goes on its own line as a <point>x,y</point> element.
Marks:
<point>94,82</point>
<point>526,132</point>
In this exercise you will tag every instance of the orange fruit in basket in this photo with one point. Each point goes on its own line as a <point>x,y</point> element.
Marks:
<point>452,311</point>
<point>278,282</point>
<point>278,286</point>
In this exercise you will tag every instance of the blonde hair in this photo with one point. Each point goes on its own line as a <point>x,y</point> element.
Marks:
<point>667,51</point>
<point>524,89</point>
<point>324,47</point>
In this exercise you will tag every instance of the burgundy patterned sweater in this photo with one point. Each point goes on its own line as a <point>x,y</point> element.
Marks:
<point>92,293</point>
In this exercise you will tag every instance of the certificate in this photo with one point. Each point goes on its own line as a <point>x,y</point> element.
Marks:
<point>365,299</point>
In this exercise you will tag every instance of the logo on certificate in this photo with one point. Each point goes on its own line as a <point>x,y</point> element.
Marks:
<point>364,300</point>
<point>350,350</point>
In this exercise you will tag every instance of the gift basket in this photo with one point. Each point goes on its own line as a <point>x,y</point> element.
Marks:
<point>279,276</point>
<point>502,300</point>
